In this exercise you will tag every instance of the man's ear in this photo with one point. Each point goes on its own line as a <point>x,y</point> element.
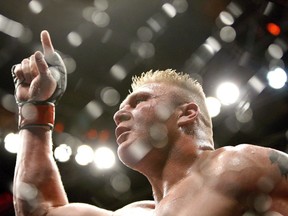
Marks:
<point>189,113</point>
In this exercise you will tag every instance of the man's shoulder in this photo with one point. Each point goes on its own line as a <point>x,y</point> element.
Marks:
<point>145,207</point>
<point>247,164</point>
<point>242,153</point>
<point>245,156</point>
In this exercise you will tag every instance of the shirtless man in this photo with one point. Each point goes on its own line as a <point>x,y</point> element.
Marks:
<point>163,130</point>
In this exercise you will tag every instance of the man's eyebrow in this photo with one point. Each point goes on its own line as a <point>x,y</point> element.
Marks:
<point>133,95</point>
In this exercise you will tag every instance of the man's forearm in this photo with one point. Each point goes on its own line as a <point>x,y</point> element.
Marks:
<point>37,182</point>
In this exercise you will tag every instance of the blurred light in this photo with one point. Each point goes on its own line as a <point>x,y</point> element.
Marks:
<point>273,29</point>
<point>169,9</point>
<point>226,18</point>
<point>180,5</point>
<point>94,109</point>
<point>84,155</point>
<point>100,19</point>
<point>275,51</point>
<point>154,24</point>
<point>274,63</point>
<point>138,150</point>
<point>234,9</point>
<point>106,37</point>
<point>62,153</point>
<point>63,137</point>
<point>27,192</point>
<point>70,64</point>
<point>213,106</point>
<point>227,93</point>
<point>104,158</point>
<point>87,13</point>
<point>26,36</point>
<point>104,135</point>
<point>268,8</point>
<point>213,43</point>
<point>74,39</point>
<point>35,6</point>
<point>11,27</point>
<point>228,34</point>
<point>256,84</point>
<point>207,48</point>
<point>144,50</point>
<point>263,203</point>
<point>277,78</point>
<point>12,142</point>
<point>9,103</point>
<point>163,111</point>
<point>101,5</point>
<point>118,72</point>
<point>120,183</point>
<point>158,132</point>
<point>91,134</point>
<point>59,127</point>
<point>232,125</point>
<point>244,115</point>
<point>244,105</point>
<point>110,96</point>
<point>145,34</point>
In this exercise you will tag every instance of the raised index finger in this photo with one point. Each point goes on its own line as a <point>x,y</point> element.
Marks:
<point>46,43</point>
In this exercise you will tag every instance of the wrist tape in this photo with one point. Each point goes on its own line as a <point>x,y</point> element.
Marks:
<point>33,114</point>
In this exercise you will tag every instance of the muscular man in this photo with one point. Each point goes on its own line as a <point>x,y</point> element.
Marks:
<point>163,130</point>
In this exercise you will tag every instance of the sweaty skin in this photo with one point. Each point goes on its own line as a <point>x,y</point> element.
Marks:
<point>187,179</point>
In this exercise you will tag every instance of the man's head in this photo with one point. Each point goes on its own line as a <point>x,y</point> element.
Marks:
<point>188,90</point>
<point>163,108</point>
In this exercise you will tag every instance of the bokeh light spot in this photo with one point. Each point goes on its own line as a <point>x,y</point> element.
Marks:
<point>104,158</point>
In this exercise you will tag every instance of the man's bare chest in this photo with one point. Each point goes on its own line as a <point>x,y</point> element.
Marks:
<point>196,198</point>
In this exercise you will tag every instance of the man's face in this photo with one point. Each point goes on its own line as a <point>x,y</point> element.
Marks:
<point>143,122</point>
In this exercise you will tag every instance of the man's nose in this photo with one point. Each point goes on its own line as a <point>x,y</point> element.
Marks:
<point>121,115</point>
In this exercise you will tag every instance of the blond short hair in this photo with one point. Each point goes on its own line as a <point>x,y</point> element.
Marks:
<point>193,91</point>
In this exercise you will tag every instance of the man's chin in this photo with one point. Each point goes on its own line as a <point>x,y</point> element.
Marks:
<point>132,154</point>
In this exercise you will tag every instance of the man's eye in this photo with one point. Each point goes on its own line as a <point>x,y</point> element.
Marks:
<point>139,100</point>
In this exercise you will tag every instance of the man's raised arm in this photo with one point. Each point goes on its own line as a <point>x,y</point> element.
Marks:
<point>39,83</point>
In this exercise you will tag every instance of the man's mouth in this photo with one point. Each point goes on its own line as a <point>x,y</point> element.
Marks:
<point>120,133</point>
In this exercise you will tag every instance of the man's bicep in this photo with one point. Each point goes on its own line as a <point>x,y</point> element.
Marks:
<point>79,209</point>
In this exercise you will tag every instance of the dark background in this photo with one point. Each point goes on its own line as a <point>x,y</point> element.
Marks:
<point>177,44</point>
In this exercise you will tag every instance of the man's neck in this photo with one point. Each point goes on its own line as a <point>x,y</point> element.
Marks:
<point>169,170</point>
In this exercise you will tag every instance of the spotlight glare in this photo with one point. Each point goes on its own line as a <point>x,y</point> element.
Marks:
<point>169,9</point>
<point>104,158</point>
<point>273,29</point>
<point>74,39</point>
<point>226,18</point>
<point>228,34</point>
<point>84,155</point>
<point>12,142</point>
<point>213,43</point>
<point>275,51</point>
<point>213,106</point>
<point>110,96</point>
<point>180,5</point>
<point>118,72</point>
<point>227,93</point>
<point>94,109</point>
<point>35,6</point>
<point>277,78</point>
<point>62,153</point>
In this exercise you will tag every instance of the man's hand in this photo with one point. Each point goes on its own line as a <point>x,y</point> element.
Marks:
<point>40,78</point>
